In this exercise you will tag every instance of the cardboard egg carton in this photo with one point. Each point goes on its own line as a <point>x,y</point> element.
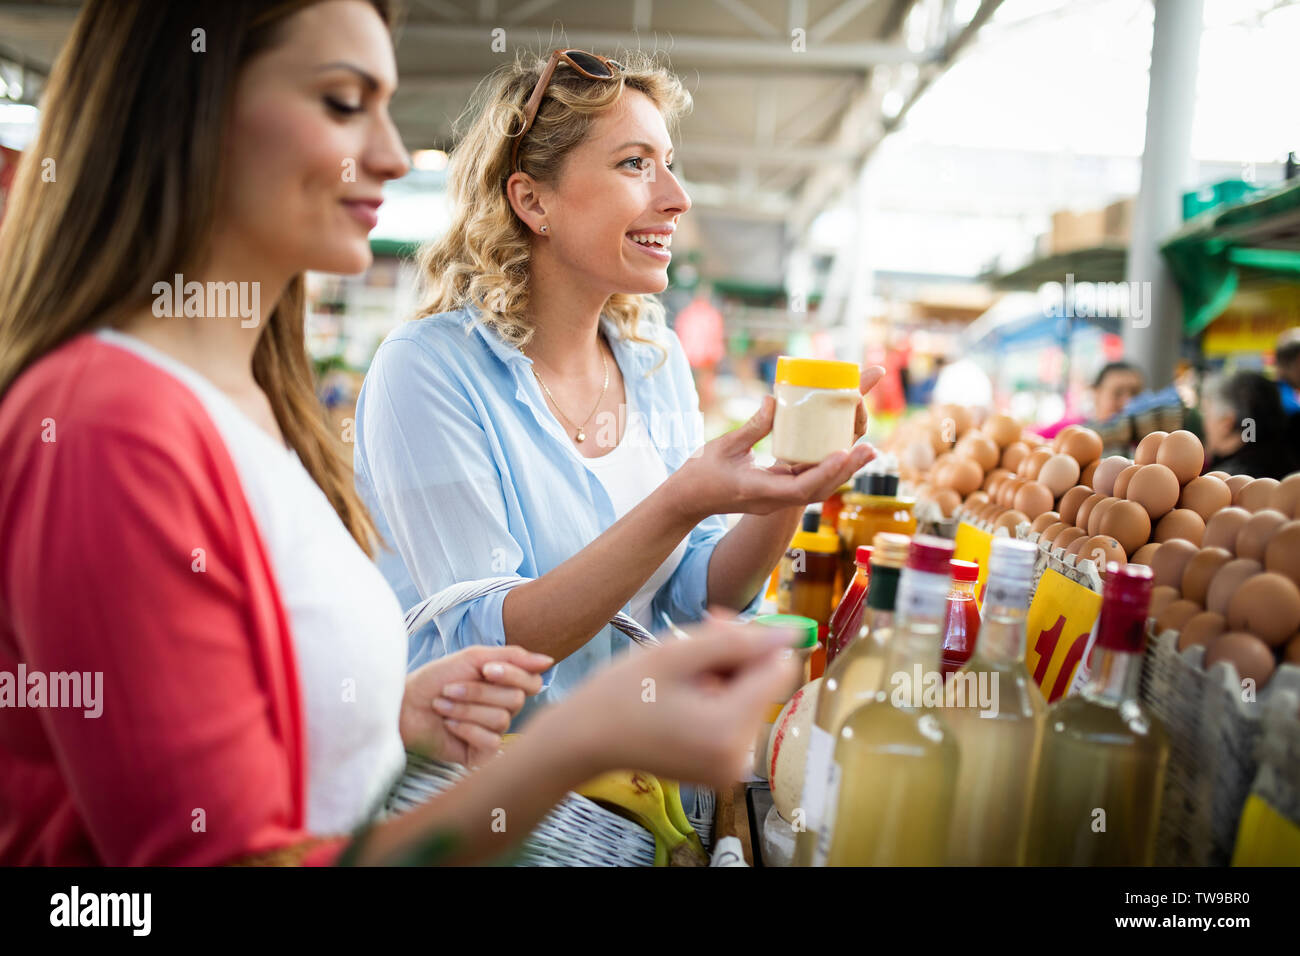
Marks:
<point>1215,733</point>
<point>1079,570</point>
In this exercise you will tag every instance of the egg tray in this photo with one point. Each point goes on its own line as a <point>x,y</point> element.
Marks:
<point>1215,749</point>
<point>1079,570</point>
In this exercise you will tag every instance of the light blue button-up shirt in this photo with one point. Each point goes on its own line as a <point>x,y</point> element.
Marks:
<point>468,475</point>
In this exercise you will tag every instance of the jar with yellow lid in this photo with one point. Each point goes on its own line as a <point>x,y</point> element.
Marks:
<point>816,405</point>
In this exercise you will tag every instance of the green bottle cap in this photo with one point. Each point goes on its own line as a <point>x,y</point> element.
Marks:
<point>805,627</point>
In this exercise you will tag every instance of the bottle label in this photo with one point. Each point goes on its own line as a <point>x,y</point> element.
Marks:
<point>827,831</point>
<point>821,748</point>
<point>1003,593</point>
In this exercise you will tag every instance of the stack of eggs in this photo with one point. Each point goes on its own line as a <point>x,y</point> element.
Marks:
<point>1033,476</point>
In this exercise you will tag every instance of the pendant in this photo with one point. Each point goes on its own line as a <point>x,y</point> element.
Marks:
<point>581,436</point>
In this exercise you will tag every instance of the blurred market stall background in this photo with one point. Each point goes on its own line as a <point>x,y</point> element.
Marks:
<point>923,184</point>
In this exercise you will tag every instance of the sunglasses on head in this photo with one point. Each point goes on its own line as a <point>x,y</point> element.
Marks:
<point>588,64</point>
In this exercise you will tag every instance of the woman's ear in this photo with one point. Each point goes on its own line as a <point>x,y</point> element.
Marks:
<point>524,195</point>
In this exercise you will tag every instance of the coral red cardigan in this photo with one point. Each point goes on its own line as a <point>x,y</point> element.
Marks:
<point>112,478</point>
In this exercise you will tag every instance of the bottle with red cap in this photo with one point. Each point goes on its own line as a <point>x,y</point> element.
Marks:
<point>890,793</point>
<point>1102,769</point>
<point>963,625</point>
<point>847,619</point>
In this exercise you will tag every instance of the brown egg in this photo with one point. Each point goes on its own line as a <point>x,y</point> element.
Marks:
<point>1206,496</point>
<point>1084,446</point>
<point>958,418</point>
<point>995,476</point>
<point>941,474</point>
<point>1085,510</point>
<point>1255,495</point>
<point>1062,435</point>
<point>1155,488</point>
<point>1180,523</point>
<point>1200,570</point>
<point>1183,454</point>
<point>1070,502</point>
<point>1268,606</point>
<point>1255,534</point>
<point>966,476</point>
<point>1162,595</point>
<point>1044,521</point>
<point>1226,580</point>
<point>1291,652</point>
<point>1175,614</point>
<point>1007,492</point>
<point>1076,546</point>
<point>1171,560</point>
<point>1127,522</point>
<point>1011,520</point>
<point>1235,483</point>
<point>1068,537</point>
<point>1003,429</point>
<point>1221,475</point>
<point>1148,448</point>
<point>1283,552</point>
<point>1014,454</point>
<point>1201,629</point>
<point>1248,656</point>
<point>981,449</point>
<point>1033,499</point>
<point>1286,496</point>
<point>1090,469</point>
<point>1098,512</point>
<point>1108,469</point>
<point>947,500</point>
<point>976,498</point>
<point>1221,531</point>
<point>1144,554</point>
<point>1059,473</point>
<point>1123,478</point>
<point>1034,462</point>
<point>1051,531</point>
<point>1102,549</point>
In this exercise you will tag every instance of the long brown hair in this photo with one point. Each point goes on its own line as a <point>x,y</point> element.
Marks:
<point>120,188</point>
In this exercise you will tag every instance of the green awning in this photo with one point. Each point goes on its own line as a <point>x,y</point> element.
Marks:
<point>1213,253</point>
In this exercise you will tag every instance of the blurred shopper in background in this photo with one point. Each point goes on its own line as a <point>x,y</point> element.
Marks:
<point>1117,384</point>
<point>1287,355</point>
<point>1245,429</point>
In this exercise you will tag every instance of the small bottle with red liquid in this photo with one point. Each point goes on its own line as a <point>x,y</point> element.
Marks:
<point>963,626</point>
<point>847,619</point>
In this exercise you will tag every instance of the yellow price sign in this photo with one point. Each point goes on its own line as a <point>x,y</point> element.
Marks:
<point>1060,623</point>
<point>972,544</point>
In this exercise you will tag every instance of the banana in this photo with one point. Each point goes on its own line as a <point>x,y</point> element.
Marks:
<point>640,797</point>
<point>673,804</point>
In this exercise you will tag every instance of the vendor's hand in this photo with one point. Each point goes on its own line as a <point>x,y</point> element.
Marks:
<point>687,710</point>
<point>724,478</point>
<point>457,707</point>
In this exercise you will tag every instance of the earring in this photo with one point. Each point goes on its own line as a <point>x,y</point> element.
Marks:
<point>544,228</point>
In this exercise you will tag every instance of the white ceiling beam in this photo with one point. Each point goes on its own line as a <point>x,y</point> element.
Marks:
<point>748,16</point>
<point>771,54</point>
<point>824,28</point>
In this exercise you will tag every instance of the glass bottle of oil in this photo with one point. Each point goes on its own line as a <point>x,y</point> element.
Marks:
<point>889,799</point>
<point>853,678</point>
<point>996,713</point>
<point>1097,799</point>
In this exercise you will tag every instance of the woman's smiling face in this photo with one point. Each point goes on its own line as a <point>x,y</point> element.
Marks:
<point>617,184</point>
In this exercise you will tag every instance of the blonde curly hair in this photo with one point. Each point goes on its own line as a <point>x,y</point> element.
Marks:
<point>482,260</point>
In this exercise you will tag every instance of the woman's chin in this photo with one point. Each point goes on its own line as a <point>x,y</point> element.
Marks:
<point>349,260</point>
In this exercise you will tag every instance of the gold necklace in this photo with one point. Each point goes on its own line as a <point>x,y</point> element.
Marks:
<point>580,434</point>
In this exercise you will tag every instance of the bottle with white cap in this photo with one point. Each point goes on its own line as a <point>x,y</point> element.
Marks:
<point>996,712</point>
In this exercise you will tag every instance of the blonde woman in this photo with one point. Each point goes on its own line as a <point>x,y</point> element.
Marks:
<point>538,421</point>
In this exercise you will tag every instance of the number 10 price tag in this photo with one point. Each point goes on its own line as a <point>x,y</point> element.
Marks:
<point>1058,631</point>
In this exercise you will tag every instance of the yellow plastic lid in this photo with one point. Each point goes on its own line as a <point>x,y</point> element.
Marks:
<point>822,541</point>
<point>817,373</point>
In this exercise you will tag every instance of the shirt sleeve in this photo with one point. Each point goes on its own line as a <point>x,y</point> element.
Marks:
<point>132,578</point>
<point>438,488</point>
<point>684,596</point>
